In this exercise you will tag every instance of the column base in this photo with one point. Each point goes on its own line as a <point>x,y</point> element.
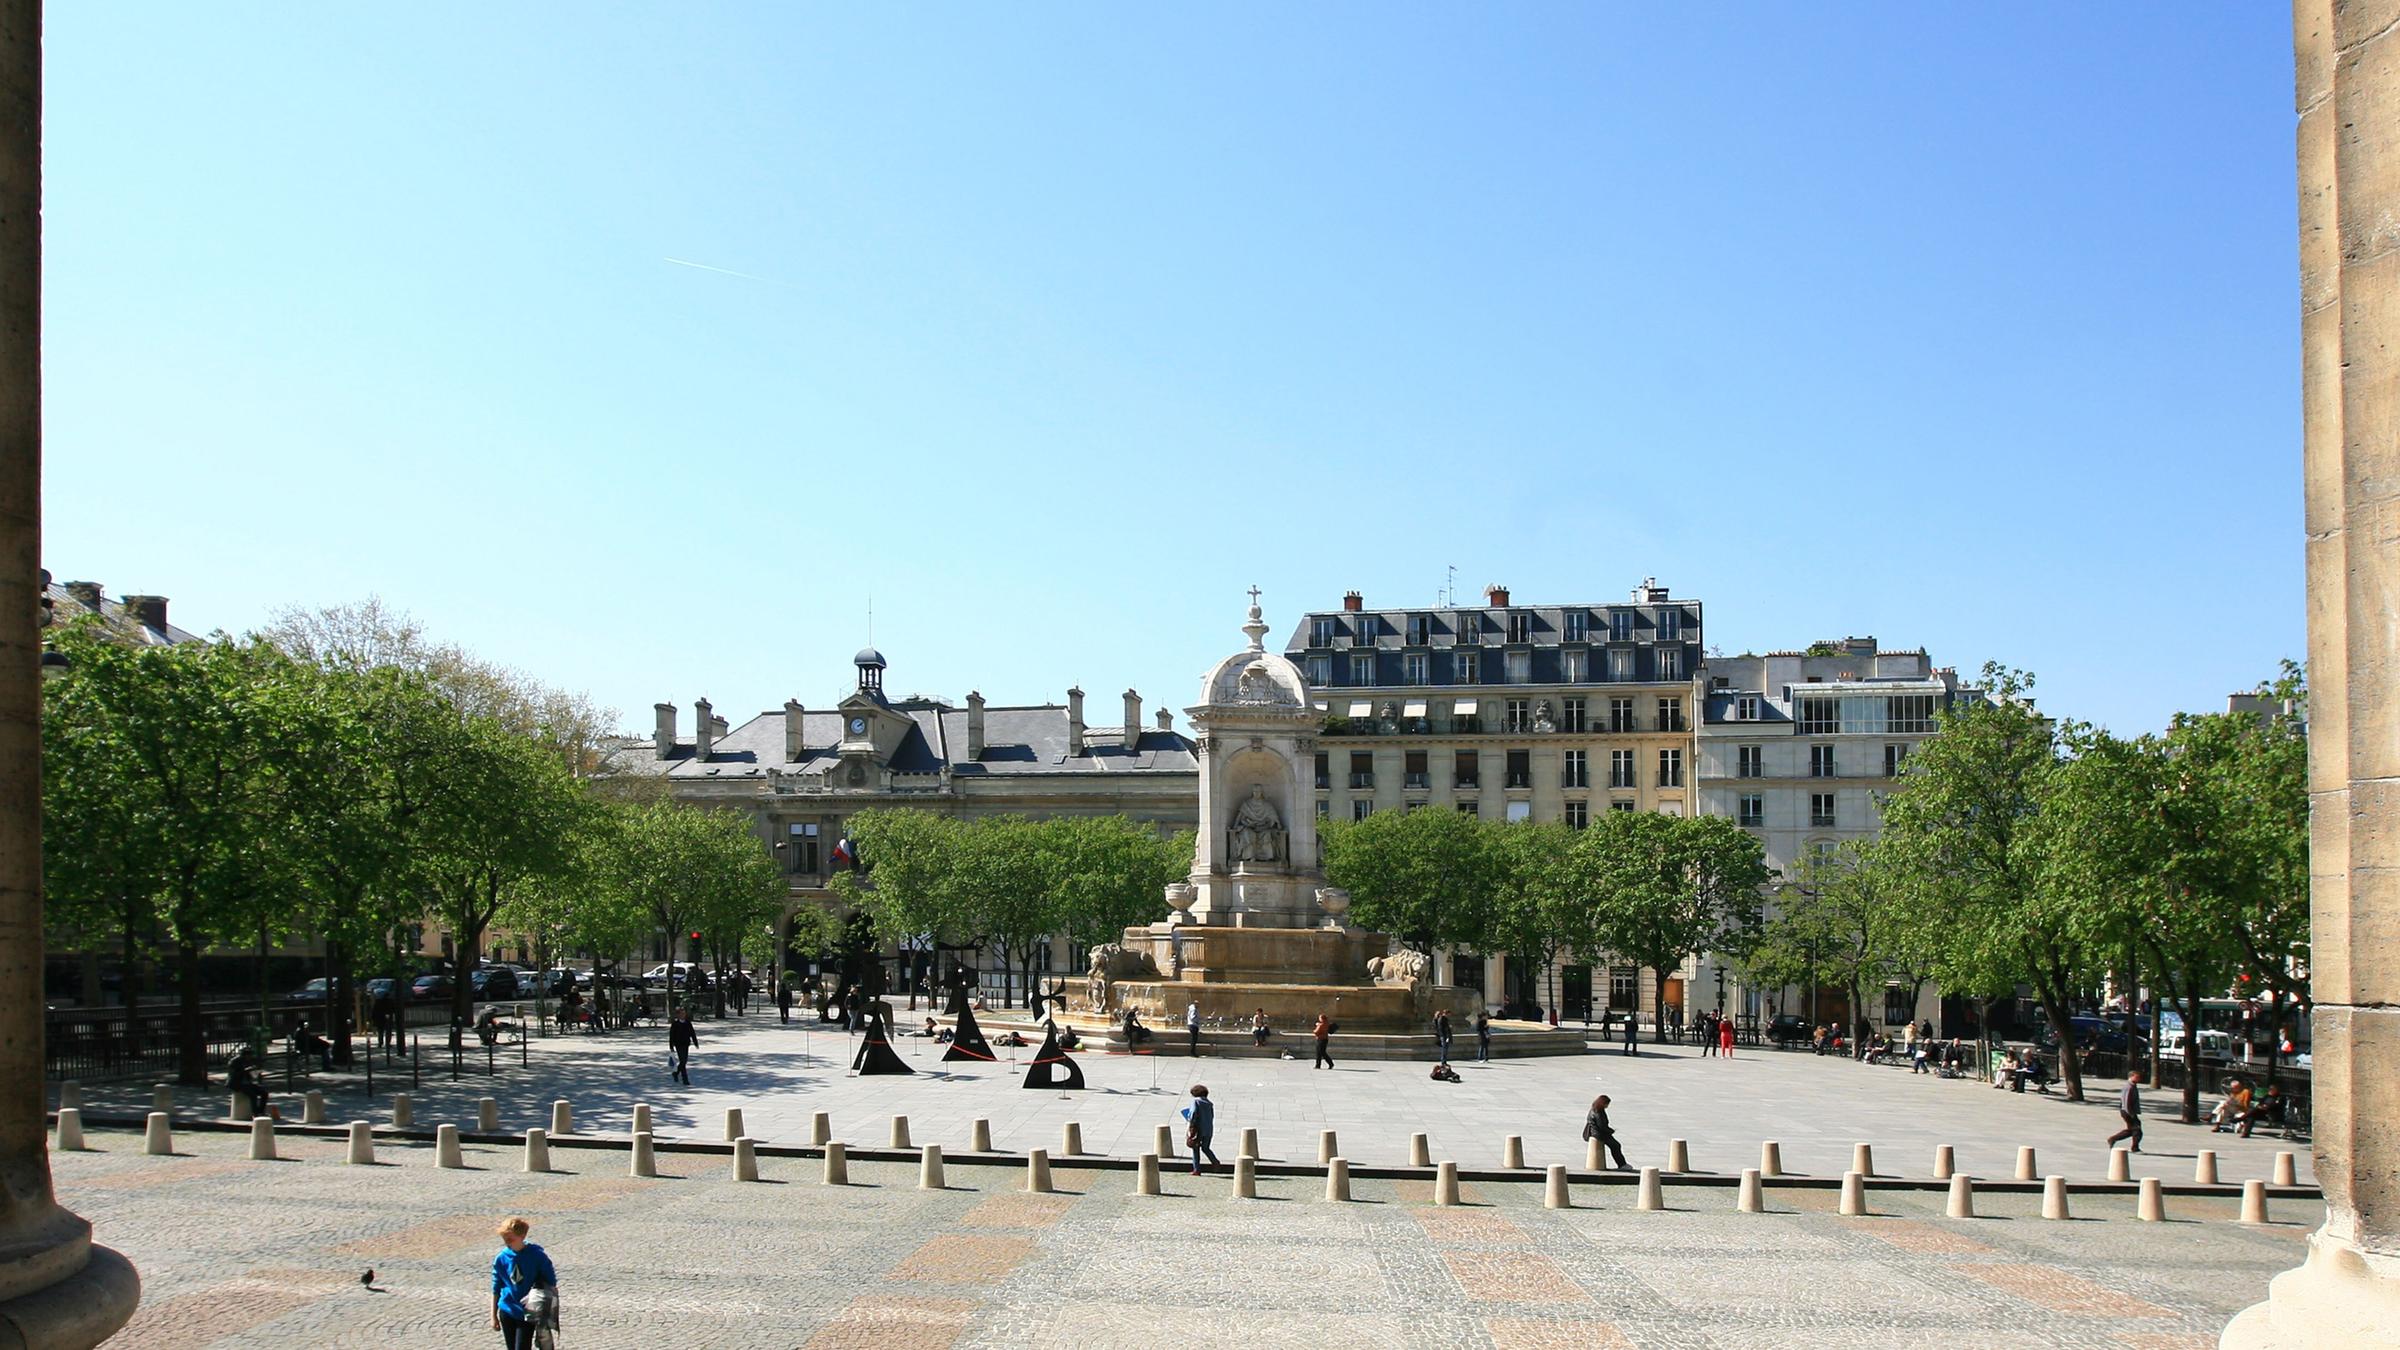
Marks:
<point>77,1312</point>
<point>2339,1296</point>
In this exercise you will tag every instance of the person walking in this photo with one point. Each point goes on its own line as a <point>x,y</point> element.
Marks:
<point>520,1269</point>
<point>2129,1106</point>
<point>1324,1035</point>
<point>1483,1038</point>
<point>1441,1036</point>
<point>1202,1114</point>
<point>1725,1038</point>
<point>1633,1034</point>
<point>680,1040</point>
<point>783,999</point>
<point>1191,1026</point>
<point>1706,1026</point>
<point>1595,1126</point>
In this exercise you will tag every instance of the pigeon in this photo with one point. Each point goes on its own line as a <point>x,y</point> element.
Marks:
<point>368,1279</point>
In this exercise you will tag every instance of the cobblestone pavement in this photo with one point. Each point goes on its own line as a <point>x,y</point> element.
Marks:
<point>1816,1107</point>
<point>263,1254</point>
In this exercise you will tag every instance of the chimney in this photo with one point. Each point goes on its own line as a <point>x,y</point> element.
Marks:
<point>149,610</point>
<point>1133,721</point>
<point>663,739</point>
<point>86,593</point>
<point>1353,602</point>
<point>1074,721</point>
<point>795,736</point>
<point>704,729</point>
<point>974,725</point>
<point>1496,596</point>
<point>1166,719</point>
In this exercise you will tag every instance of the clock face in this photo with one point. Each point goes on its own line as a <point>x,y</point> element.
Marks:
<point>858,726</point>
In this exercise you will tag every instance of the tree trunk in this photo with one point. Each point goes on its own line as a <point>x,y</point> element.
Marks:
<point>1658,1004</point>
<point>2191,1052</point>
<point>191,1045</point>
<point>338,995</point>
<point>2070,1060</point>
<point>466,953</point>
<point>129,984</point>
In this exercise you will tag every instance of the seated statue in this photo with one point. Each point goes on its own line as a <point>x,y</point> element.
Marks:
<point>1257,830</point>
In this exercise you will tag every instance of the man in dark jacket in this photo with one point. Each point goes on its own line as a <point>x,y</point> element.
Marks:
<point>680,1040</point>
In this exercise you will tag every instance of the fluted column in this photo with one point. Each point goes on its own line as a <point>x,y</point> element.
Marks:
<point>56,1288</point>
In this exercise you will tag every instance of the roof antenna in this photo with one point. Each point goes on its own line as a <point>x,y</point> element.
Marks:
<point>1450,588</point>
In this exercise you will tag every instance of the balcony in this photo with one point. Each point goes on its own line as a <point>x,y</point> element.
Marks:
<point>1362,780</point>
<point>1519,780</point>
<point>1324,781</point>
<point>1469,781</point>
<point>1416,780</point>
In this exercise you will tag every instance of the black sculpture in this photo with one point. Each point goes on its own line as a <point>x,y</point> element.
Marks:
<point>1053,1067</point>
<point>875,1053</point>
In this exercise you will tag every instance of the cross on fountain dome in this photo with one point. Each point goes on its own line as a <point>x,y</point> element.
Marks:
<point>1257,626</point>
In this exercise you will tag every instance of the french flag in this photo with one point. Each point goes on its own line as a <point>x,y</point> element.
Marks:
<point>843,854</point>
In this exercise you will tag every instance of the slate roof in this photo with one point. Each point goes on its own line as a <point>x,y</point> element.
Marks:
<point>1017,742</point>
<point>65,608</point>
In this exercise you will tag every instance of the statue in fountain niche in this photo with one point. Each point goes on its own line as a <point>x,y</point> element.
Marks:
<point>1257,830</point>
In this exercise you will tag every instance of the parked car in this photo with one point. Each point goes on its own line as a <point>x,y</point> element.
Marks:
<point>429,988</point>
<point>685,975</point>
<point>384,987</point>
<point>492,982</point>
<point>2214,1045</point>
<point>1789,1027</point>
<point>315,991</point>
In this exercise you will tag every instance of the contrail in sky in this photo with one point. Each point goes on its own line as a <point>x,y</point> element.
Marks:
<point>683,262</point>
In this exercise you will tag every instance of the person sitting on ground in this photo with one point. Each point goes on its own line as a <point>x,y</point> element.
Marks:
<point>1015,1038</point>
<point>1067,1039</point>
<point>931,1028</point>
<point>2230,1111</point>
<point>1443,1073</point>
<point>1135,1033</point>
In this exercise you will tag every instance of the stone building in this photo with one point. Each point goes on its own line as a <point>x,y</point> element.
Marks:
<point>1509,712</point>
<point>800,773</point>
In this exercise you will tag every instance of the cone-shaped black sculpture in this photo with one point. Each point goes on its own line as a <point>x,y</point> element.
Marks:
<point>966,1040</point>
<point>875,1053</point>
<point>1054,1067</point>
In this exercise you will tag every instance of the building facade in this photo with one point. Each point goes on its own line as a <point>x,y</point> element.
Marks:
<point>1548,712</point>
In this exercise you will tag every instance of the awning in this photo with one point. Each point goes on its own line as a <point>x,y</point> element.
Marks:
<point>1415,707</point>
<point>1465,707</point>
<point>1323,706</point>
<point>1362,710</point>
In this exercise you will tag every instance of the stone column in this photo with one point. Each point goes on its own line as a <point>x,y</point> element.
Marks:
<point>56,1288</point>
<point>2347,92</point>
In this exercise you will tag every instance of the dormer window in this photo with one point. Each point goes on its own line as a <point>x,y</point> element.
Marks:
<point>1420,630</point>
<point>1520,627</point>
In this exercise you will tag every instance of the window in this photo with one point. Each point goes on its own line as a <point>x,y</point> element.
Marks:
<point>1820,808</point>
<point>802,846</point>
<point>1324,808</point>
<point>1420,630</point>
<point>1413,773</point>
<point>1893,757</point>
<point>1466,667</point>
<point>1520,667</point>
<point>1519,811</point>
<point>1620,768</point>
<point>1362,670</point>
<point>1910,713</point>
<point>1748,762</point>
<point>1620,715</point>
<point>1520,769</point>
<point>1520,627</point>
<point>1621,804</point>
<point>1820,716</point>
<point>1571,715</point>
<point>1820,761</point>
<point>1750,809</point>
<point>1360,810</point>
<point>1620,625</point>
<point>1321,631</point>
<point>1898,1007</point>
<point>1670,624</point>
<point>1467,807</point>
<point>1670,663</point>
<point>1320,671</point>
<point>1362,768</point>
<point>1464,720</point>
<point>1670,715</point>
<point>1620,666</point>
<point>1670,768</point>
<point>1324,771</point>
<point>1574,667</point>
<point>1465,770</point>
<point>1369,628</point>
<point>1412,668</point>
<point>1577,771</point>
<point>1578,624</point>
<point>1517,718</point>
<point>1624,988</point>
<point>1579,814</point>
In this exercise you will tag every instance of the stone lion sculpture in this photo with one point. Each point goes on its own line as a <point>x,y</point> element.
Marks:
<point>1112,962</point>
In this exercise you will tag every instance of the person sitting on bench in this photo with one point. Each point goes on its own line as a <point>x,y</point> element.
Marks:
<point>489,1028</point>
<point>306,1041</point>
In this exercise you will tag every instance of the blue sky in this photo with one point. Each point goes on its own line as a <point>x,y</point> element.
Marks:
<point>1063,325</point>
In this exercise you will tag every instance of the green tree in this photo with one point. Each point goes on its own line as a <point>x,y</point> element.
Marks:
<point>1427,877</point>
<point>1110,873</point>
<point>1838,910</point>
<point>1537,910</point>
<point>1664,888</point>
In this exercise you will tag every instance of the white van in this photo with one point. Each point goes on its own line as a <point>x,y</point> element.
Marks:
<point>2214,1045</point>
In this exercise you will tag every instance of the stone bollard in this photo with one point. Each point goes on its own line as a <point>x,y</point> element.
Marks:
<point>2254,1201</point>
<point>734,1129</point>
<point>1962,1196</point>
<point>162,1097</point>
<point>1512,1151</point>
<point>2025,1164</point>
<point>641,1119</point>
<point>2153,1207</point>
<point>445,1147</point>
<point>70,1096</point>
<point>1249,1148</point>
<point>2120,1165</point>
<point>562,1117</point>
<point>644,1162</point>
<point>70,1129</point>
<point>2054,1198</point>
<point>900,1132</point>
<point>537,1150</point>
<point>1337,1179</point>
<point>1245,1177</point>
<point>2286,1173</point>
<point>1679,1156</point>
<point>1651,1196</point>
<point>2204,1167</point>
<point>1554,1188</point>
<point>1070,1140</point>
<point>1854,1192</point>
<point>1862,1159</point>
<point>362,1144</point>
<point>1445,1184</point>
<point>820,1128</point>
<point>1325,1147</point>
<point>237,1106</point>
<point>1591,1156</point>
<point>745,1159</point>
<point>1753,1198</point>
<point>404,1114</point>
<point>1420,1151</point>
<point>1037,1171</point>
<point>262,1139</point>
<point>157,1139</point>
<point>1162,1141</point>
<point>1945,1162</point>
<point>1145,1180</point>
<point>487,1116</point>
<point>837,1163</point>
<point>312,1107</point>
<point>929,1169</point>
<point>979,1136</point>
<point>1770,1159</point>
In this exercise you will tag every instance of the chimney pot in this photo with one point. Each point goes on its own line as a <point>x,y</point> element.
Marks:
<point>663,739</point>
<point>86,593</point>
<point>1353,602</point>
<point>1075,721</point>
<point>974,725</point>
<point>795,733</point>
<point>704,729</point>
<point>1133,721</point>
<point>148,610</point>
<point>1496,596</point>
<point>1166,719</point>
